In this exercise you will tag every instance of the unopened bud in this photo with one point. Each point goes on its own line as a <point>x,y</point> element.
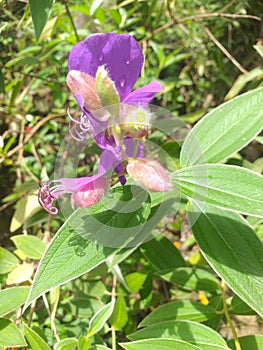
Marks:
<point>106,88</point>
<point>149,174</point>
<point>92,194</point>
<point>86,85</point>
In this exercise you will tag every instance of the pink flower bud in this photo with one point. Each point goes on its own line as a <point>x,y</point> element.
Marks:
<point>149,174</point>
<point>91,194</point>
<point>86,85</point>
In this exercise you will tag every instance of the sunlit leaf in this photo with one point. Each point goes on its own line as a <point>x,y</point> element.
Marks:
<point>12,298</point>
<point>234,251</point>
<point>225,186</point>
<point>225,130</point>
<point>10,335</point>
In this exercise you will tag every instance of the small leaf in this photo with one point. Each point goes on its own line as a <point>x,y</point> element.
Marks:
<point>2,82</point>
<point>34,340</point>
<point>27,207</point>
<point>12,298</point>
<point>225,186</point>
<point>225,130</point>
<point>84,343</point>
<point>119,316</point>
<point>191,278</point>
<point>135,281</point>
<point>10,335</point>
<point>233,250</point>
<point>159,344</point>
<point>40,10</point>
<point>195,333</point>
<point>31,246</point>
<point>100,318</point>
<point>179,310</point>
<point>162,253</point>
<point>21,273</point>
<point>8,261</point>
<point>67,344</point>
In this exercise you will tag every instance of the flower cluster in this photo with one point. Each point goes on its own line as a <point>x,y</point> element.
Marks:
<point>102,72</point>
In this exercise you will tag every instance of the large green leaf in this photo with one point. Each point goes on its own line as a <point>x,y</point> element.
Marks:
<point>225,186</point>
<point>40,11</point>
<point>75,248</point>
<point>179,310</point>
<point>225,130</point>
<point>192,332</point>
<point>233,250</point>
<point>159,344</point>
<point>10,335</point>
<point>12,298</point>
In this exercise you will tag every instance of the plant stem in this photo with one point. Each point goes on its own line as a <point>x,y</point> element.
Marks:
<point>71,19</point>
<point>231,325</point>
<point>113,295</point>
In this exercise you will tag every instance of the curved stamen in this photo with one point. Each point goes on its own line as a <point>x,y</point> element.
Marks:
<point>80,127</point>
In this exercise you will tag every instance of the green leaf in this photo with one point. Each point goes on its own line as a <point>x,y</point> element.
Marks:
<point>233,250</point>
<point>119,316</point>
<point>40,10</point>
<point>100,318</point>
<point>10,335</point>
<point>162,253</point>
<point>32,247</point>
<point>2,82</point>
<point>12,298</point>
<point>195,333</point>
<point>242,80</point>
<point>225,130</point>
<point>225,186</point>
<point>78,238</point>
<point>135,281</point>
<point>67,344</point>
<point>191,278</point>
<point>248,342</point>
<point>179,310</point>
<point>8,261</point>
<point>34,340</point>
<point>238,307</point>
<point>27,207</point>
<point>159,344</point>
<point>84,343</point>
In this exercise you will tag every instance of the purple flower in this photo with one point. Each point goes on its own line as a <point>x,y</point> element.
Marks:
<point>122,57</point>
<point>102,72</point>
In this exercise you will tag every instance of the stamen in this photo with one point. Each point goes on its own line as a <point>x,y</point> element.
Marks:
<point>80,127</point>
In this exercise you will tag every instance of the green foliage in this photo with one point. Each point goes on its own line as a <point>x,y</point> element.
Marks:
<point>167,270</point>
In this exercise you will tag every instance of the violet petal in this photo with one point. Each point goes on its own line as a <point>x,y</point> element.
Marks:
<point>145,94</point>
<point>120,53</point>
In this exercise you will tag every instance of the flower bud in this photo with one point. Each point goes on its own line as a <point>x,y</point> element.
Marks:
<point>149,174</point>
<point>91,194</point>
<point>106,88</point>
<point>86,85</point>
